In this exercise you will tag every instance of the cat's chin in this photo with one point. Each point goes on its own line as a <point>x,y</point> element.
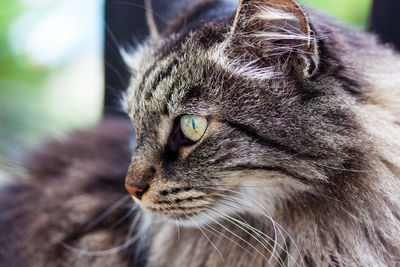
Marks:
<point>216,214</point>
<point>182,218</point>
<point>212,209</point>
<point>161,218</point>
<point>192,221</point>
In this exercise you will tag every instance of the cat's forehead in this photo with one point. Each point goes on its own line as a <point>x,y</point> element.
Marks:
<point>164,72</point>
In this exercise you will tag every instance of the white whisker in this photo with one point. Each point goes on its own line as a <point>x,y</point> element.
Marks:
<point>269,217</point>
<point>107,252</point>
<point>346,170</point>
<point>199,227</point>
<point>134,223</point>
<point>218,234</point>
<point>177,229</point>
<point>263,244</point>
<point>258,232</point>
<point>272,221</point>
<point>107,212</point>
<point>255,205</point>
<point>126,216</point>
<point>235,235</point>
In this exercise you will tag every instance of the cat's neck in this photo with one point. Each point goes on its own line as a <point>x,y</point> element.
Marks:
<point>238,241</point>
<point>333,231</point>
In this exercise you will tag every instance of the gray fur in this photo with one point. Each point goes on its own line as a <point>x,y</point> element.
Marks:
<point>297,141</point>
<point>299,165</point>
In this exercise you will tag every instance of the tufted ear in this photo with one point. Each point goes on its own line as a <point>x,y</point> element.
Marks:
<point>274,34</point>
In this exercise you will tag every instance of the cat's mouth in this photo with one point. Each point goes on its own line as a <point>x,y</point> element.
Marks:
<point>176,203</point>
<point>178,212</point>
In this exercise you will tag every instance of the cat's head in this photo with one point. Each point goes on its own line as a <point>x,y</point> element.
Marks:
<point>233,111</point>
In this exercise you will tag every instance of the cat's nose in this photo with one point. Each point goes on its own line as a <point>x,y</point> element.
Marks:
<point>136,190</point>
<point>139,177</point>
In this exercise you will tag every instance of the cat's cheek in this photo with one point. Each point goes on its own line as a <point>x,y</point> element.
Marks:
<point>162,192</point>
<point>175,200</point>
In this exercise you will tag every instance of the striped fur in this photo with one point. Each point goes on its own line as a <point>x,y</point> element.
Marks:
<point>293,133</point>
<point>299,166</point>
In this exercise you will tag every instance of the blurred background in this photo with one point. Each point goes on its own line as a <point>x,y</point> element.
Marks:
<point>51,67</point>
<point>50,71</point>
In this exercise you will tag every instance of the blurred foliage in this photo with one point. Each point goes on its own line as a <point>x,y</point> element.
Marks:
<point>351,11</point>
<point>20,88</point>
<point>14,67</point>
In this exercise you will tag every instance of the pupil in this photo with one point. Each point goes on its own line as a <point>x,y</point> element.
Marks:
<point>193,125</point>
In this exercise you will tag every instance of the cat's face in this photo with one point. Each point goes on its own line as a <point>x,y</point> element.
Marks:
<point>229,113</point>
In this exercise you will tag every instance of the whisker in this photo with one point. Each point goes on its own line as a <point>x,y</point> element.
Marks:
<point>274,240</point>
<point>218,234</point>
<point>259,233</point>
<point>114,89</point>
<point>293,156</point>
<point>177,227</point>
<point>126,216</point>
<point>346,170</point>
<point>199,227</point>
<point>230,185</point>
<point>325,196</point>
<point>269,217</point>
<point>145,8</point>
<point>107,252</point>
<point>235,235</point>
<point>228,218</point>
<point>114,69</point>
<point>274,226</point>
<point>106,213</point>
<point>134,223</point>
<point>112,36</point>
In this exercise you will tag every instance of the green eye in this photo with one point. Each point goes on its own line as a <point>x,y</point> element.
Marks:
<point>193,127</point>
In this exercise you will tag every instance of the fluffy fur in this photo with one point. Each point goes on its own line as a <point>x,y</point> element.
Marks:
<point>299,165</point>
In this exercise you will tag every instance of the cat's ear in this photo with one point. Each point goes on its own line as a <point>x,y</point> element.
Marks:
<point>276,33</point>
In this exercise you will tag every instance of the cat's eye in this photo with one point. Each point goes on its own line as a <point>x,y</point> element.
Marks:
<point>193,127</point>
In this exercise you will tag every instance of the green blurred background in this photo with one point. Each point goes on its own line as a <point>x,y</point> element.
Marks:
<point>355,12</point>
<point>51,77</point>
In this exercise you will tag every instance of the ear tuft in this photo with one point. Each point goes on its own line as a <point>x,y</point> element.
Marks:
<point>274,33</point>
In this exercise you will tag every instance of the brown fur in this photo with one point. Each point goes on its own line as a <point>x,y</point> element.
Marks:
<point>70,183</point>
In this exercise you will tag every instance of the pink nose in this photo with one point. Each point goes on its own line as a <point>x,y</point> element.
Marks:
<point>136,190</point>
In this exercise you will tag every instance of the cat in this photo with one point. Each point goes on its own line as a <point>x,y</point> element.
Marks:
<point>266,135</point>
